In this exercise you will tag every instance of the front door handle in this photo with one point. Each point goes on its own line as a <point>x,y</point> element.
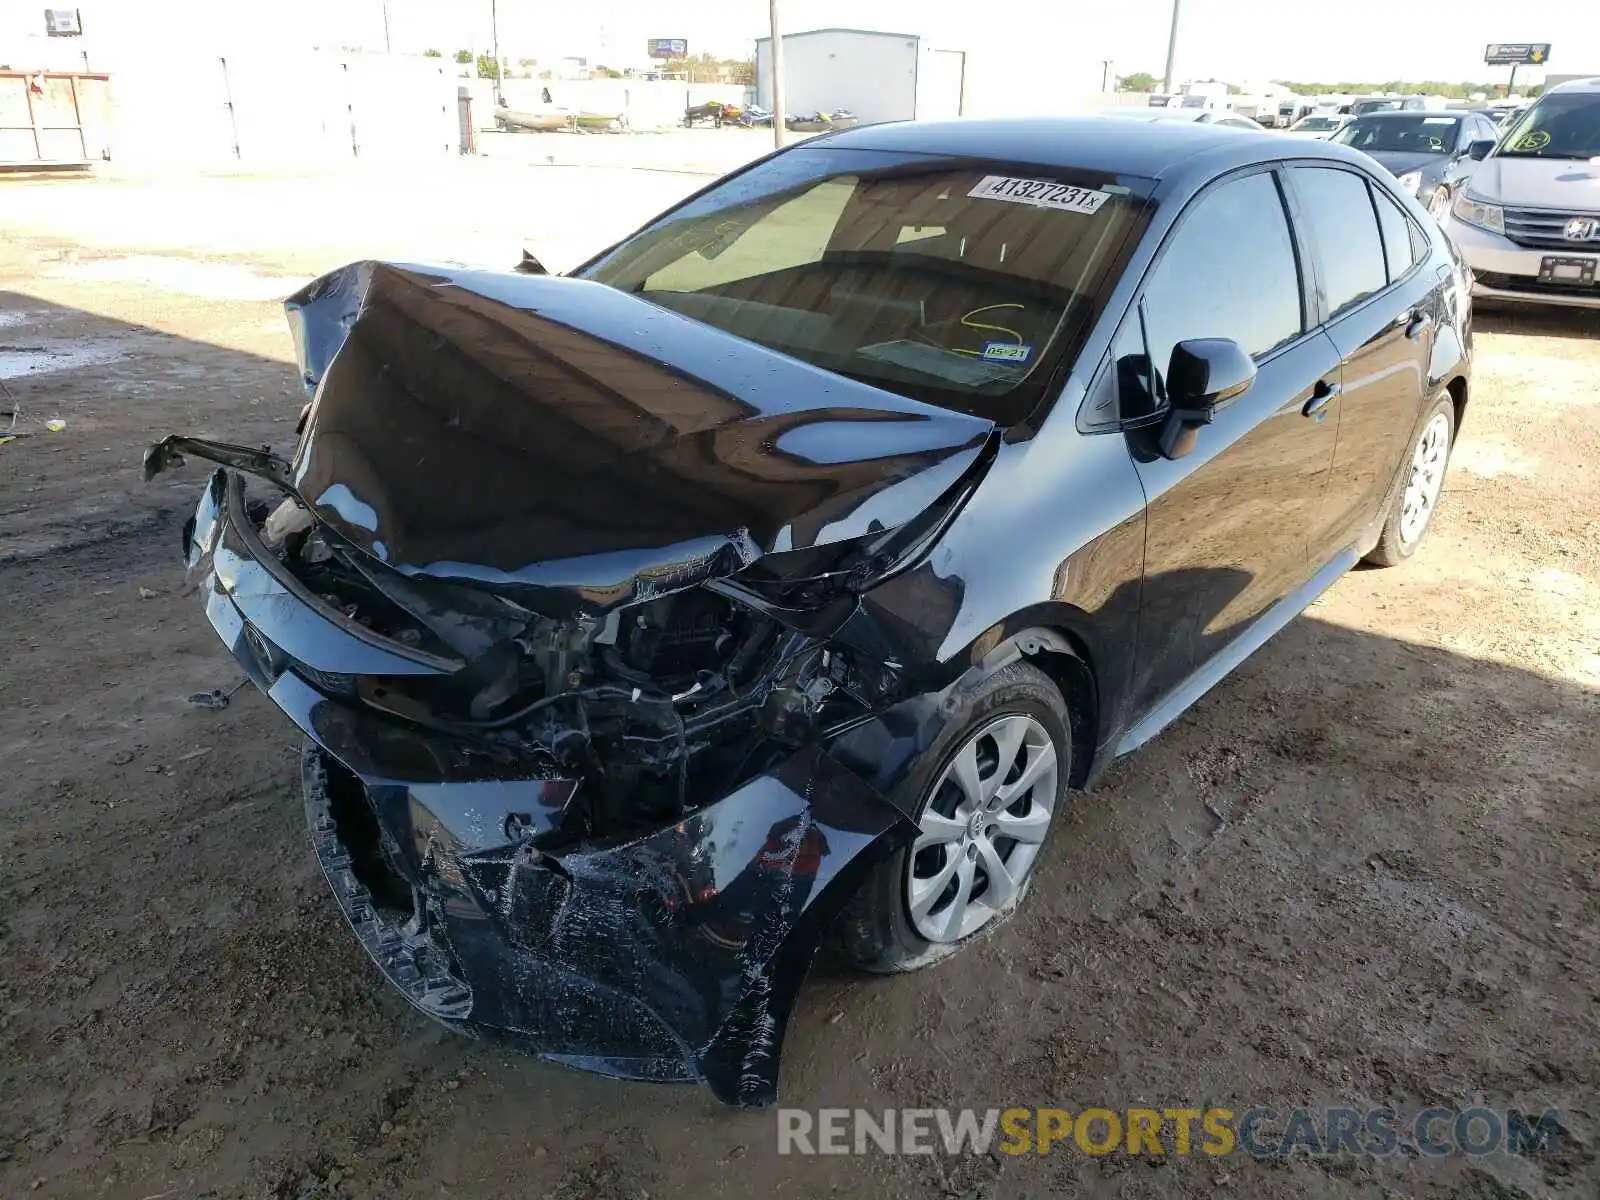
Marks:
<point>1322,396</point>
<point>1419,323</point>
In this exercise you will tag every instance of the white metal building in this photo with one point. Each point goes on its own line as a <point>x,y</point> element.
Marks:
<point>876,75</point>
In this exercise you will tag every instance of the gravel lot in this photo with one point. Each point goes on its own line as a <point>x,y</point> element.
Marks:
<point>1362,872</point>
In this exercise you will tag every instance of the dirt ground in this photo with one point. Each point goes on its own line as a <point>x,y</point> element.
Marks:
<point>1363,871</point>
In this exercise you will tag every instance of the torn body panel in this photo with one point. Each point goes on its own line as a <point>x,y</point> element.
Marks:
<point>674,954</point>
<point>676,957</point>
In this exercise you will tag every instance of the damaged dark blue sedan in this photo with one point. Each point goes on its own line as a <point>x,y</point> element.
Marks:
<point>779,573</point>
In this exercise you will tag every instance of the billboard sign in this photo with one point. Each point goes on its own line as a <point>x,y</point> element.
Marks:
<point>669,48</point>
<point>63,22</point>
<point>1517,54</point>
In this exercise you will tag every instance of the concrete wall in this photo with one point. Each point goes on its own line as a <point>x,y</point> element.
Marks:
<point>281,108</point>
<point>874,75</point>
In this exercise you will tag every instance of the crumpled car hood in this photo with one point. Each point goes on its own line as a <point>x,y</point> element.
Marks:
<point>559,434</point>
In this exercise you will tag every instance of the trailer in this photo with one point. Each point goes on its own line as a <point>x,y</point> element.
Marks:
<point>53,119</point>
<point>877,76</point>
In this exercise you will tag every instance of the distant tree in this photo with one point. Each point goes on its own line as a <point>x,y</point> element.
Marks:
<point>1139,81</point>
<point>463,56</point>
<point>432,54</point>
<point>1426,87</point>
<point>488,68</point>
<point>600,72</point>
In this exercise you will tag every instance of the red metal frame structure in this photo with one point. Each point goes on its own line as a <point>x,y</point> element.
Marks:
<point>52,118</point>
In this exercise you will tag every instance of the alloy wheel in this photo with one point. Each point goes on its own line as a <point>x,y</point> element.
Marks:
<point>980,832</point>
<point>1426,479</point>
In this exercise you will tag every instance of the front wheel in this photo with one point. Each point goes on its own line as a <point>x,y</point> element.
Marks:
<point>986,796</point>
<point>1439,204</point>
<point>1411,512</point>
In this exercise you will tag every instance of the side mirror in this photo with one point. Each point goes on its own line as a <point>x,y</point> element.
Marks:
<point>1479,150</point>
<point>1204,376</point>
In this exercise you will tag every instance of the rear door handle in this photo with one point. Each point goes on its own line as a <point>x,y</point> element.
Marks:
<point>1321,396</point>
<point>1419,323</point>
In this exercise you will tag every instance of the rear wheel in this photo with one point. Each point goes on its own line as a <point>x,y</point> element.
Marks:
<point>1411,512</point>
<point>986,797</point>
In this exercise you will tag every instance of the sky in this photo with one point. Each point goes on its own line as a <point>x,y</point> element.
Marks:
<point>1232,39</point>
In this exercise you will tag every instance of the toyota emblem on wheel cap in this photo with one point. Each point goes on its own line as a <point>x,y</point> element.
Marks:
<point>1581,229</point>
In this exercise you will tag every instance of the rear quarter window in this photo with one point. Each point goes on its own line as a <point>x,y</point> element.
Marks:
<point>1403,244</point>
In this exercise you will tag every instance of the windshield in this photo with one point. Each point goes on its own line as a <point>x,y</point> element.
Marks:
<point>958,284</point>
<point>1317,124</point>
<point>1371,106</point>
<point>1565,125</point>
<point>1419,134</point>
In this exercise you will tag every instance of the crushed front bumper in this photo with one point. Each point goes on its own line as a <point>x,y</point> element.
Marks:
<point>676,955</point>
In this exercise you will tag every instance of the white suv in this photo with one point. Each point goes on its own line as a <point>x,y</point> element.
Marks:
<point>1528,222</point>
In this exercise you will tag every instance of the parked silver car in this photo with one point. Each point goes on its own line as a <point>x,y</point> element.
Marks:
<point>1528,223</point>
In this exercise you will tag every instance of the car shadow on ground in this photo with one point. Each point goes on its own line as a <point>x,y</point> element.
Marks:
<point>1536,322</point>
<point>1360,871</point>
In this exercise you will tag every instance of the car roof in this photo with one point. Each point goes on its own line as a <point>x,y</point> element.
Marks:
<point>1584,86</point>
<point>1154,149</point>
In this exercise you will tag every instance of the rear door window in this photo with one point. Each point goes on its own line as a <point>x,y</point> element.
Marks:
<point>1342,229</point>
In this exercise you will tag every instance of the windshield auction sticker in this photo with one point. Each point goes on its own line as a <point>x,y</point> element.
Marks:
<point>1040,193</point>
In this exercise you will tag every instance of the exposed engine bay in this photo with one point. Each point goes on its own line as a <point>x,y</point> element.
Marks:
<point>650,704</point>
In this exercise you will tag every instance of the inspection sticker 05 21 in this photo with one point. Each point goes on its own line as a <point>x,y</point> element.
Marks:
<point>1041,193</point>
<point>1006,352</point>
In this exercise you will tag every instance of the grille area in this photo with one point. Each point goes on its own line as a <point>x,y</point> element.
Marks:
<point>1532,285</point>
<point>1544,229</point>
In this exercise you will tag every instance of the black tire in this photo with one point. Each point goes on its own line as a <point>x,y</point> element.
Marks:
<point>875,930</point>
<point>1440,200</point>
<point>1393,548</point>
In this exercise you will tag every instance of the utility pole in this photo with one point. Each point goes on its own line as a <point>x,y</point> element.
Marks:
<point>494,36</point>
<point>778,106</point>
<point>1172,50</point>
<point>388,46</point>
<point>1512,86</point>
